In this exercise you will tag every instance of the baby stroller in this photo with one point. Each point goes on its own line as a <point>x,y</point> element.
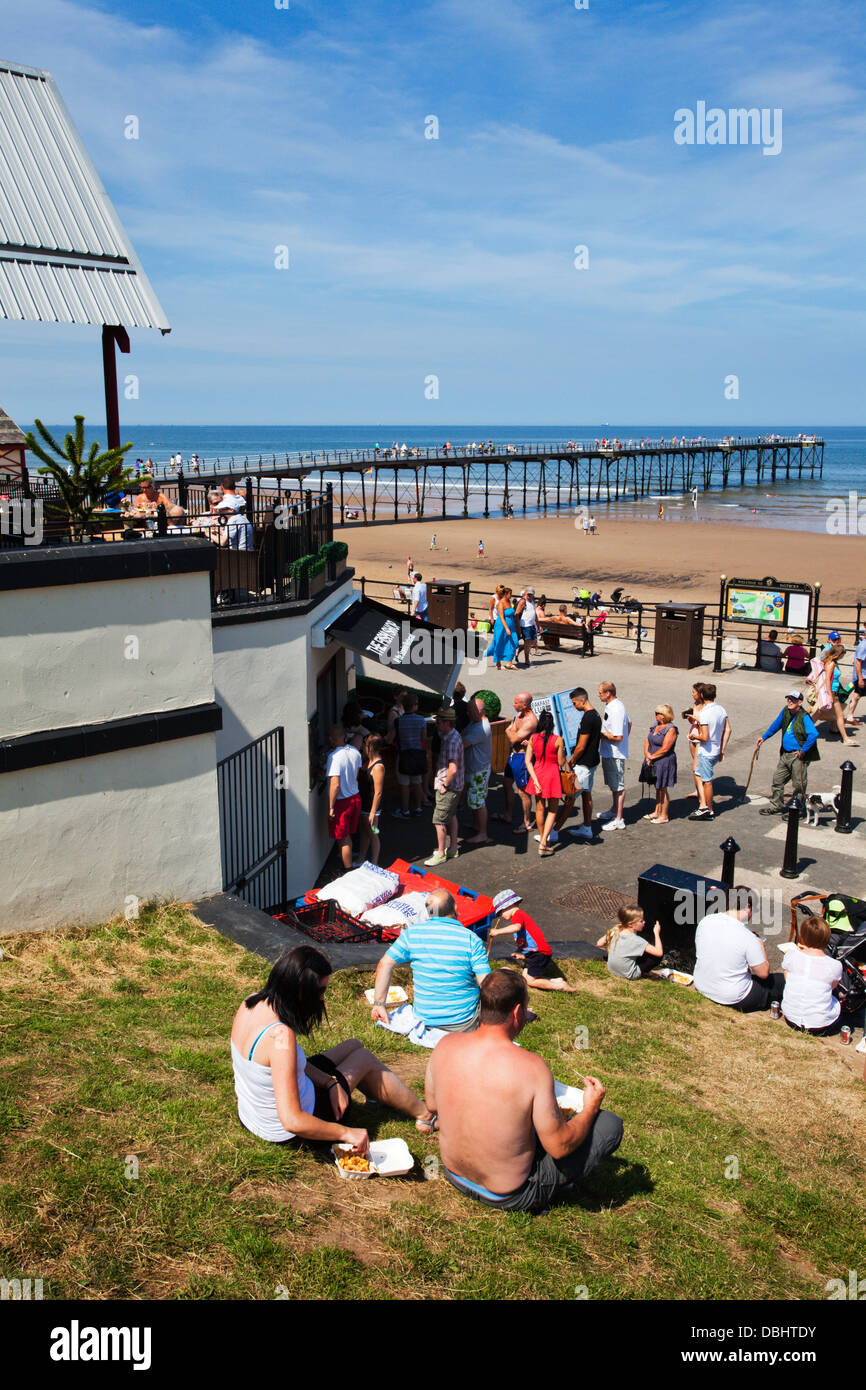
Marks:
<point>846,918</point>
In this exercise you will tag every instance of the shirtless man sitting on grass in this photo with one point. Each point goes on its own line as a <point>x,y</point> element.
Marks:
<point>506,1143</point>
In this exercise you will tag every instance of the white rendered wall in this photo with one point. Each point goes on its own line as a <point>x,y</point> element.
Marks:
<point>81,839</point>
<point>84,653</point>
<point>264,675</point>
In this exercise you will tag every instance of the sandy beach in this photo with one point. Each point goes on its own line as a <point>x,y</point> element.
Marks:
<point>656,561</point>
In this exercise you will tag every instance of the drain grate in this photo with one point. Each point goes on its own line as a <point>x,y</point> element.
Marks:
<point>594,900</point>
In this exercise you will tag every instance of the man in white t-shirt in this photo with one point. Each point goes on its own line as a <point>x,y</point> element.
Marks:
<point>711,732</point>
<point>731,966</point>
<point>344,799</point>
<point>615,729</point>
<point>419,598</point>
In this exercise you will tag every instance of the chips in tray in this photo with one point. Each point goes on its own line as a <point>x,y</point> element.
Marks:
<point>352,1165</point>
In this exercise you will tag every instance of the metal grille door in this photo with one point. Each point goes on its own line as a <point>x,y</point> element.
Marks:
<point>252,801</point>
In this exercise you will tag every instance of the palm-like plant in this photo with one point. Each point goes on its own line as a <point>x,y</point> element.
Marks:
<point>83,482</point>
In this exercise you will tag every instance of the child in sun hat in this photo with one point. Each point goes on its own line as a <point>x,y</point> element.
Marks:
<point>533,951</point>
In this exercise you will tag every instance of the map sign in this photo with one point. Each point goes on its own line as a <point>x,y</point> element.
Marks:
<point>566,719</point>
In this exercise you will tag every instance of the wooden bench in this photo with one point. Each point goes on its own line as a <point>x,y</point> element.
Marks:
<point>553,633</point>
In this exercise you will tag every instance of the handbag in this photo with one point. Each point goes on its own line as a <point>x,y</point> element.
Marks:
<point>569,782</point>
<point>647,774</point>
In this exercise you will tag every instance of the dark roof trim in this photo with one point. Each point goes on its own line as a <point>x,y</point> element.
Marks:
<point>44,567</point>
<point>50,746</point>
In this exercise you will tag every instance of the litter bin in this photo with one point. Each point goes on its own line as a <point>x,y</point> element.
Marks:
<point>679,635</point>
<point>448,605</point>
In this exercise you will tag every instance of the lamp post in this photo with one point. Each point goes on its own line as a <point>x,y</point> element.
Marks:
<point>717,663</point>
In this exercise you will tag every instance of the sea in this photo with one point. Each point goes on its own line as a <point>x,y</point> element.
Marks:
<point>836,500</point>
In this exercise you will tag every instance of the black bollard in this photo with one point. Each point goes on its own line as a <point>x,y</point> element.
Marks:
<point>789,866</point>
<point>730,849</point>
<point>843,815</point>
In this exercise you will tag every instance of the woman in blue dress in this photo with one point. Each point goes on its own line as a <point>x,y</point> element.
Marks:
<point>503,648</point>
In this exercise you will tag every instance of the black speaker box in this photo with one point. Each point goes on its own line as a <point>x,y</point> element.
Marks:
<point>677,900</point>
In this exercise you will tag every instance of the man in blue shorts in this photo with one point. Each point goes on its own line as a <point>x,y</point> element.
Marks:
<point>518,733</point>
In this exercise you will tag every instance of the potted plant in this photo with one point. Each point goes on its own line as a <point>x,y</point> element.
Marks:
<point>300,573</point>
<point>334,553</point>
<point>317,574</point>
<point>85,483</point>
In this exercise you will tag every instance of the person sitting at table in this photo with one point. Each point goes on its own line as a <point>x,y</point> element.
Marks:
<point>210,522</point>
<point>283,1094</point>
<point>149,497</point>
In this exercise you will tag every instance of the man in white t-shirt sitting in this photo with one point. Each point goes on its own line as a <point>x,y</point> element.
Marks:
<point>615,729</point>
<point>344,799</point>
<point>731,966</point>
<point>710,732</point>
<point>419,598</point>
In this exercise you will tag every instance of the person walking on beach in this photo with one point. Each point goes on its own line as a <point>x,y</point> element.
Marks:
<point>799,739</point>
<point>615,729</point>
<point>592,525</point>
<point>433,541</point>
<point>481,549</point>
<point>410,569</point>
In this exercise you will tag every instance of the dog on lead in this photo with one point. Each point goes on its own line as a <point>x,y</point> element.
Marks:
<point>819,802</point>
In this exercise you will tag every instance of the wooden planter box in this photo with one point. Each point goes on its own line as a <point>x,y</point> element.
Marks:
<point>335,569</point>
<point>500,747</point>
<point>317,582</point>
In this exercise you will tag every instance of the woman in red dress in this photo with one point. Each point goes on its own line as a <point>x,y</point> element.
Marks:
<point>545,760</point>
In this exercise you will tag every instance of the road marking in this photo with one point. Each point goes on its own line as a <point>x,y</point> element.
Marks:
<point>826,840</point>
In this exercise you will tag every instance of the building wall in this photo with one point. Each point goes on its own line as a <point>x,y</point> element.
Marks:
<point>265,675</point>
<point>88,839</point>
<point>80,653</point>
<point>108,786</point>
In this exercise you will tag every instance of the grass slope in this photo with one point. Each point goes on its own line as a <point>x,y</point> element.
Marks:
<point>114,1061</point>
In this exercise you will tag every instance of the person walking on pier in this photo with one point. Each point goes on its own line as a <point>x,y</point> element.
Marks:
<point>799,737</point>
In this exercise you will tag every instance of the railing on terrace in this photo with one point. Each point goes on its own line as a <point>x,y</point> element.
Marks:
<point>632,627</point>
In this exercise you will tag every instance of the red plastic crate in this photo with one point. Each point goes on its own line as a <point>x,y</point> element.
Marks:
<point>474,910</point>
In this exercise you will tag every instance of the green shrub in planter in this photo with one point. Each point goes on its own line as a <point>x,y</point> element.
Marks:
<point>299,568</point>
<point>492,702</point>
<point>318,565</point>
<point>334,550</point>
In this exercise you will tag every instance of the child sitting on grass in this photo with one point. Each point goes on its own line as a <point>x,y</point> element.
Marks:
<point>626,949</point>
<point>533,951</point>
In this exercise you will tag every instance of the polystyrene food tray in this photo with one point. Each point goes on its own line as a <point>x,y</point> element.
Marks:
<point>396,995</point>
<point>568,1097</point>
<point>390,1158</point>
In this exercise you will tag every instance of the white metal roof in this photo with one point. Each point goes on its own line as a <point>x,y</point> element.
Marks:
<point>64,254</point>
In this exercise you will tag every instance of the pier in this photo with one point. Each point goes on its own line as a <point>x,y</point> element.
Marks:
<point>433,484</point>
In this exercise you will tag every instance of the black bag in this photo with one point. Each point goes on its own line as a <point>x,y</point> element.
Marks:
<point>647,774</point>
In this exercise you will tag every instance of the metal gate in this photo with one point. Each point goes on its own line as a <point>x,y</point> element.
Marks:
<point>252,802</point>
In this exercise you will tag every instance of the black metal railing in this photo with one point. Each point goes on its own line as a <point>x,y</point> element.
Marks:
<point>251,785</point>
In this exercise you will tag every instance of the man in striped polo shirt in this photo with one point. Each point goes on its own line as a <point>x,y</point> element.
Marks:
<point>448,964</point>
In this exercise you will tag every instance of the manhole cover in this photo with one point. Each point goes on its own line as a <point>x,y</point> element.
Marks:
<point>594,900</point>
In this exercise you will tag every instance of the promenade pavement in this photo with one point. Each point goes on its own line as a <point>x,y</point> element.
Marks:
<point>570,893</point>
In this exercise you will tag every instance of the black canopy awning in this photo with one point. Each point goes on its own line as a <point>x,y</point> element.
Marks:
<point>430,655</point>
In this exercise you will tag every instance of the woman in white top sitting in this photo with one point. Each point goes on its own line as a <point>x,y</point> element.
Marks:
<point>284,1095</point>
<point>808,1002</point>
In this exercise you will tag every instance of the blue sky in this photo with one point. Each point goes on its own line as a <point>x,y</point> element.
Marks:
<point>409,257</point>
